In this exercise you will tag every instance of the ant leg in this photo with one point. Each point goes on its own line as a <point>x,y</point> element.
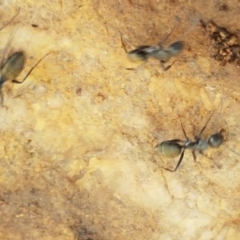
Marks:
<point>224,133</point>
<point>163,67</point>
<point>15,81</point>
<point>138,67</point>
<point>166,68</point>
<point>1,98</point>
<point>176,140</point>
<point>178,164</point>
<point>194,155</point>
<point>123,45</point>
<point>169,66</point>
<point>10,20</point>
<point>202,153</point>
<point>216,164</point>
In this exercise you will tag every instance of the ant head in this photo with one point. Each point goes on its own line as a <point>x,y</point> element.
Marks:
<point>176,48</point>
<point>217,139</point>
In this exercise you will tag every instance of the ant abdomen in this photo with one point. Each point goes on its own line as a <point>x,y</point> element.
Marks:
<point>13,66</point>
<point>169,149</point>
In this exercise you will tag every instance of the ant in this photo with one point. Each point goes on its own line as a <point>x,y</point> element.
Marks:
<point>143,53</point>
<point>13,65</point>
<point>174,147</point>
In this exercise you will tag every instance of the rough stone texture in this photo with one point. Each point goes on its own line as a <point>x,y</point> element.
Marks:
<point>78,136</point>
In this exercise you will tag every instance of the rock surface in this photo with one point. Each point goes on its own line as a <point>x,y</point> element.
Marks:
<point>78,136</point>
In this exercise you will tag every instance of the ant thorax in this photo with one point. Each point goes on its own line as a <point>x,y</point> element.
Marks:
<point>151,50</point>
<point>199,145</point>
<point>161,54</point>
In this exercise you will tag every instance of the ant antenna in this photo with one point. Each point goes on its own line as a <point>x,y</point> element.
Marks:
<point>10,20</point>
<point>184,132</point>
<point>11,38</point>
<point>196,21</point>
<point>204,127</point>
<point>177,19</point>
<point>15,81</point>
